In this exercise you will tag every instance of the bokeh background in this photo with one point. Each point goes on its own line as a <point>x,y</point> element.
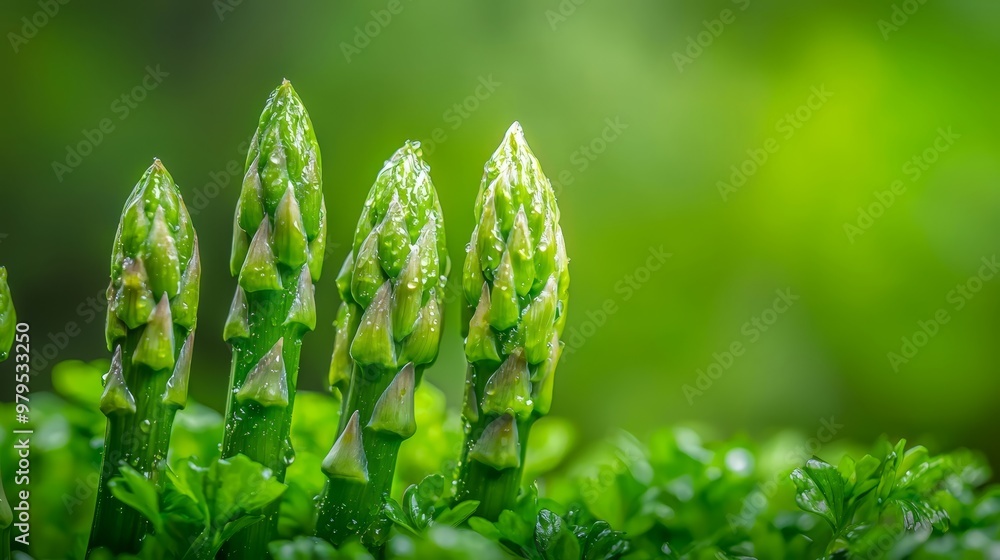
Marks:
<point>637,110</point>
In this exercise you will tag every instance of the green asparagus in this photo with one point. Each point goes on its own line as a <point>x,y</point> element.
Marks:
<point>515,282</point>
<point>8,324</point>
<point>279,242</point>
<point>388,330</point>
<point>8,318</point>
<point>152,309</point>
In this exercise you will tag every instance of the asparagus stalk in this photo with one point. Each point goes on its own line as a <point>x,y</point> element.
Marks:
<point>515,282</point>
<point>279,241</point>
<point>153,303</point>
<point>389,327</point>
<point>8,325</point>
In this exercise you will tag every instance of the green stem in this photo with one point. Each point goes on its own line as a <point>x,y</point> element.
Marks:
<point>348,507</point>
<point>262,432</point>
<point>139,439</point>
<point>496,490</point>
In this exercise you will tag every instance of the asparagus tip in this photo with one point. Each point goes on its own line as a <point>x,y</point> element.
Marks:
<point>177,386</point>
<point>267,383</point>
<point>156,344</point>
<point>116,397</point>
<point>509,389</point>
<point>394,412</point>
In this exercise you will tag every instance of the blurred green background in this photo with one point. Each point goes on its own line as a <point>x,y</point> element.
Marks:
<point>638,110</point>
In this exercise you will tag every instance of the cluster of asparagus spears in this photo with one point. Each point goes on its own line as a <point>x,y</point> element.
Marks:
<point>392,286</point>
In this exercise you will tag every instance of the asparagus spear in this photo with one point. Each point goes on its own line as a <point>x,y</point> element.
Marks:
<point>279,241</point>
<point>389,326</point>
<point>8,324</point>
<point>8,318</point>
<point>515,282</point>
<point>152,308</point>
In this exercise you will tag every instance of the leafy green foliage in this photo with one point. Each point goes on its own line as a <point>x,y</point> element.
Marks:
<point>672,495</point>
<point>427,504</point>
<point>532,530</point>
<point>66,458</point>
<point>200,507</point>
<point>874,502</point>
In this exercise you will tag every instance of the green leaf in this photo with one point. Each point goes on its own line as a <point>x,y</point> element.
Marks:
<point>820,491</point>
<point>458,514</point>
<point>244,485</point>
<point>188,479</point>
<point>485,528</point>
<point>602,543</point>
<point>398,516</point>
<point>235,526</point>
<point>865,477</point>
<point>513,528</point>
<point>553,539</point>
<point>421,500</point>
<point>139,493</point>
<point>889,471</point>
